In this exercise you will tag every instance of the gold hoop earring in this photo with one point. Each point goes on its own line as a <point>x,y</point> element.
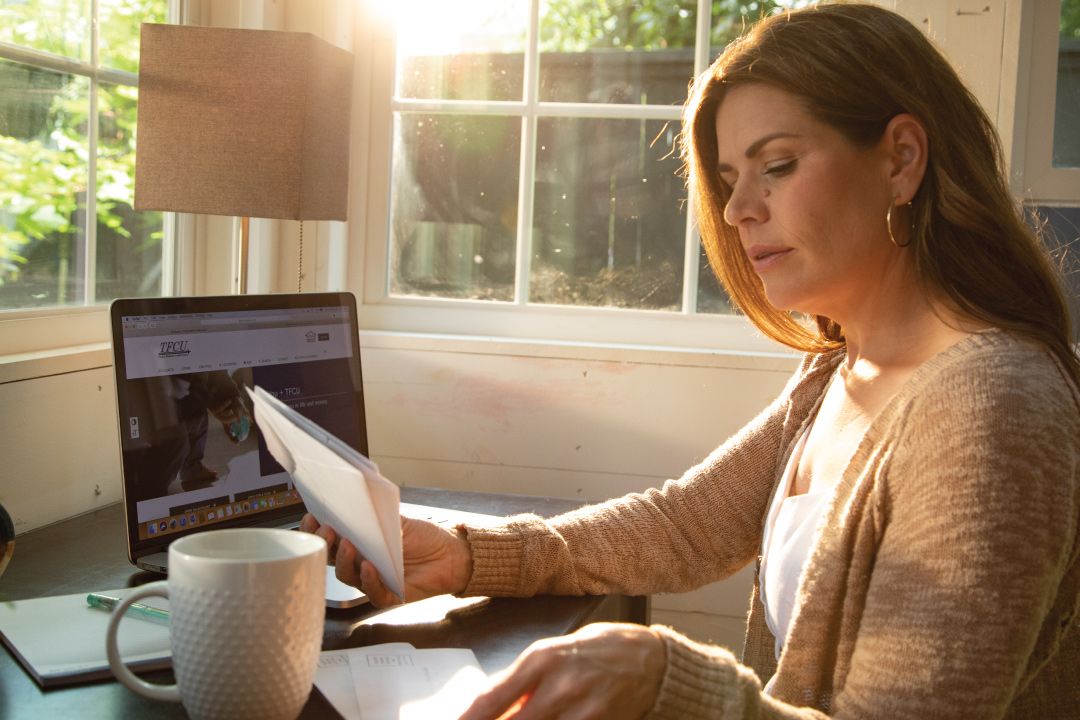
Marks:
<point>888,224</point>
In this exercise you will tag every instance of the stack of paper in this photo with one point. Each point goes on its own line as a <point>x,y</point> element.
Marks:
<point>340,487</point>
<point>395,681</point>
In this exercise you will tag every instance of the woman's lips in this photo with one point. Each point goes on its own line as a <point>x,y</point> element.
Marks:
<point>765,258</point>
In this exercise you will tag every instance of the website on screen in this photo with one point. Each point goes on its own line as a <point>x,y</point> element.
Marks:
<point>193,455</point>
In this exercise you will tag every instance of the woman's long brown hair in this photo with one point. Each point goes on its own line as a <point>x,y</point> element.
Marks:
<point>855,67</point>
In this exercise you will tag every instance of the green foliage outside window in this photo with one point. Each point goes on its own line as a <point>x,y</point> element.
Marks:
<point>579,25</point>
<point>44,149</point>
<point>1070,19</point>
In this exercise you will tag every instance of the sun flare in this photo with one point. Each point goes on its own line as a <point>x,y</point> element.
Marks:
<point>437,27</point>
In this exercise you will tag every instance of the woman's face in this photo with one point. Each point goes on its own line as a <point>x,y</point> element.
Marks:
<point>808,204</point>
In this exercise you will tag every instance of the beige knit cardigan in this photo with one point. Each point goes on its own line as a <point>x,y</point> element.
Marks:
<point>944,580</point>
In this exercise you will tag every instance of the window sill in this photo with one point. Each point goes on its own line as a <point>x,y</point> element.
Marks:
<point>574,350</point>
<point>30,365</point>
<point>45,330</point>
<point>45,363</point>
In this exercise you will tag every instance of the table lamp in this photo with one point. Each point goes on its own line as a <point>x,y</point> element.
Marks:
<point>248,123</point>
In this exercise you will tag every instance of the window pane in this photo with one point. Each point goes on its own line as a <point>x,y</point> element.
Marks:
<point>609,216</point>
<point>1067,112</point>
<point>61,27</point>
<point>711,297</point>
<point>461,51</point>
<point>1060,228</point>
<point>128,242</point>
<point>43,150</point>
<point>119,29</point>
<point>454,205</point>
<point>621,51</point>
<point>731,17</point>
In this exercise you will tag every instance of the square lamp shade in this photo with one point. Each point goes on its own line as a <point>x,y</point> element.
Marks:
<point>252,123</point>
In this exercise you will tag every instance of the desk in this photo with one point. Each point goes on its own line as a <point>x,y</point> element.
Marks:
<point>89,552</point>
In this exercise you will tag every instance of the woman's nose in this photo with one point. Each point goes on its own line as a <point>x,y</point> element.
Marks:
<point>746,204</point>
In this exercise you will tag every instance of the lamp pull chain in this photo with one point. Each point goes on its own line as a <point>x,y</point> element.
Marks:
<point>300,262</point>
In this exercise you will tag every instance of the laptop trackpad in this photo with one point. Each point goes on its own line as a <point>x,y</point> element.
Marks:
<point>340,595</point>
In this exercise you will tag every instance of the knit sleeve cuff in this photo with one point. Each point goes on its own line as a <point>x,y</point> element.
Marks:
<point>496,559</point>
<point>703,681</point>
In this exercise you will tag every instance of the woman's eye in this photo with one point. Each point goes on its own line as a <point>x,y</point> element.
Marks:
<point>781,169</point>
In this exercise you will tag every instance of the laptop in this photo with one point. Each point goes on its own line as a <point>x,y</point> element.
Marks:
<point>192,457</point>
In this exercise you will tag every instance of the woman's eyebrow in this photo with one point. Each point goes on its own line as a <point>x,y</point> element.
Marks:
<point>755,147</point>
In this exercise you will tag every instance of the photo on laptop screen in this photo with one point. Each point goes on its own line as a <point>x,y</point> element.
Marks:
<point>193,458</point>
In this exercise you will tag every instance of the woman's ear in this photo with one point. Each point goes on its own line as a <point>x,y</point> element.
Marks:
<point>905,143</point>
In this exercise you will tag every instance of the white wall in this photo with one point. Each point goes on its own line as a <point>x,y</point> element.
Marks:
<point>971,33</point>
<point>59,445</point>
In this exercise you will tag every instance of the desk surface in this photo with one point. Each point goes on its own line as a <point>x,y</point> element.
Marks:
<point>88,553</point>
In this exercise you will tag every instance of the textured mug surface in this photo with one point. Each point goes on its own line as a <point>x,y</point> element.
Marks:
<point>246,621</point>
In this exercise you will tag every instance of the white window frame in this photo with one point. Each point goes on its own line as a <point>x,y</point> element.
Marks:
<point>27,335</point>
<point>355,256</point>
<point>369,270</point>
<point>1035,24</point>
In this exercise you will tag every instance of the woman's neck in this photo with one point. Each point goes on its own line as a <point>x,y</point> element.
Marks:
<point>904,337</point>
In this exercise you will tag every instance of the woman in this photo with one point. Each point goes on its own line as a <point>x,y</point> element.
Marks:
<point>912,498</point>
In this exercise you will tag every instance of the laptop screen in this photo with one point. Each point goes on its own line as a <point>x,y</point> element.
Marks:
<point>193,458</point>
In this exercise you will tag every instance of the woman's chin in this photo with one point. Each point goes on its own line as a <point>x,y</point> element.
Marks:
<point>783,298</point>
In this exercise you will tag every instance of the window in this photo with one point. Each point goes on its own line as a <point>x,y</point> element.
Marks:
<point>1064,222</point>
<point>68,93</point>
<point>1066,151</point>
<point>1051,140</point>
<point>1060,228</point>
<point>1045,151</point>
<point>534,177</point>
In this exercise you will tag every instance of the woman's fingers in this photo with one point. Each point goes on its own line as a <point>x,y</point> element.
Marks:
<point>512,712</point>
<point>436,560</point>
<point>353,569</point>
<point>308,523</point>
<point>327,533</point>
<point>509,695</point>
<point>346,564</point>
<point>603,670</point>
<point>373,587</point>
<point>349,566</point>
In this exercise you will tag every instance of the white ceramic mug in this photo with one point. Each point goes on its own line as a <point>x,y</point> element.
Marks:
<point>246,612</point>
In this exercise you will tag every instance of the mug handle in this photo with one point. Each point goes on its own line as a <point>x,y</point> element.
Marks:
<point>169,693</point>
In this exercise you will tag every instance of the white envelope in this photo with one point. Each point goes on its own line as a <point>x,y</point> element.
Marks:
<point>340,487</point>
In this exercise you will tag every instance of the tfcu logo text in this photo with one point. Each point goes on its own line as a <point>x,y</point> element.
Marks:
<point>174,348</point>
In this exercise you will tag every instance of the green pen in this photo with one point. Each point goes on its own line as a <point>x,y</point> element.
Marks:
<point>144,612</point>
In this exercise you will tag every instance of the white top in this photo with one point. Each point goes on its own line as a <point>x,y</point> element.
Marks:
<point>789,533</point>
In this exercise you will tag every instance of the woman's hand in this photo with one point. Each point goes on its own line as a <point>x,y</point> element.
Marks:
<point>436,561</point>
<point>604,670</point>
